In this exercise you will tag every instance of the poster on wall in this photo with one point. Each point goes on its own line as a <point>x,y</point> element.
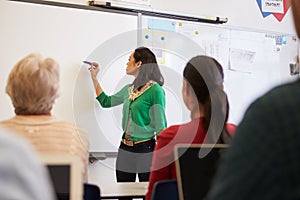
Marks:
<point>277,8</point>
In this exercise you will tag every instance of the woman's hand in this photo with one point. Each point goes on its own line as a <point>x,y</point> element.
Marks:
<point>94,69</point>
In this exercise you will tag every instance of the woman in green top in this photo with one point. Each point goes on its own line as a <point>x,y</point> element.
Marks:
<point>143,113</point>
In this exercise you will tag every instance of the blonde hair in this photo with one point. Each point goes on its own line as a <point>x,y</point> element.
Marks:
<point>33,85</point>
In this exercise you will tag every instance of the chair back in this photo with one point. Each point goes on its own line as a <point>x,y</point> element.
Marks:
<point>195,168</point>
<point>66,175</point>
<point>165,190</point>
<point>91,192</point>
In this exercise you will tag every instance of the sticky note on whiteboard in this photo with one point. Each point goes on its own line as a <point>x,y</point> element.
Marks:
<point>164,25</point>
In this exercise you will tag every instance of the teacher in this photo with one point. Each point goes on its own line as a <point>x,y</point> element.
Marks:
<point>143,114</point>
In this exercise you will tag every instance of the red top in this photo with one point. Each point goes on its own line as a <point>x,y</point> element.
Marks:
<point>231,128</point>
<point>163,164</point>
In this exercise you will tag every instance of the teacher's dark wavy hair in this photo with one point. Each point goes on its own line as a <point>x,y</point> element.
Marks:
<point>149,70</point>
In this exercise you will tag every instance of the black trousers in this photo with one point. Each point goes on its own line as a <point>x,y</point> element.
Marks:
<point>134,160</point>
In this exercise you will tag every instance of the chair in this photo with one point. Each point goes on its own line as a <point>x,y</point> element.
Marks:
<point>91,192</point>
<point>165,190</point>
<point>66,175</point>
<point>196,165</point>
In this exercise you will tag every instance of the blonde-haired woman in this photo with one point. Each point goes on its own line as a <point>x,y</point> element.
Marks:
<point>33,85</point>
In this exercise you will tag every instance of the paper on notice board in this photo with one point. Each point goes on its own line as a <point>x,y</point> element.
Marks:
<point>158,24</point>
<point>241,60</point>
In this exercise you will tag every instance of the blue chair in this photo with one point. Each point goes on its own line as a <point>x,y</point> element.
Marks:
<point>165,190</point>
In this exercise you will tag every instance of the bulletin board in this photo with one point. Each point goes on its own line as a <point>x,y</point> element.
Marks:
<point>254,61</point>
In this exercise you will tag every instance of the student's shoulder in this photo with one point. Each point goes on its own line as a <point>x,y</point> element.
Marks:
<point>55,123</point>
<point>169,132</point>
<point>287,88</point>
<point>67,128</point>
<point>166,136</point>
<point>67,125</point>
<point>10,139</point>
<point>279,96</point>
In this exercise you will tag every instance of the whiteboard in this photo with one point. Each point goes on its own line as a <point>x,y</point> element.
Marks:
<point>254,61</point>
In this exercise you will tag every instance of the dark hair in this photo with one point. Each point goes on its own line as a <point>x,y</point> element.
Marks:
<point>205,75</point>
<point>149,69</point>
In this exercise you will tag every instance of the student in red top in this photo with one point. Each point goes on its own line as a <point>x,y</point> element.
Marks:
<point>204,96</point>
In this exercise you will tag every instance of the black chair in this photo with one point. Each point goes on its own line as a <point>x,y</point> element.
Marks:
<point>165,190</point>
<point>91,192</point>
<point>196,165</point>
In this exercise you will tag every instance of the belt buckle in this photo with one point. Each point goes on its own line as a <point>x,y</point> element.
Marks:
<point>128,142</point>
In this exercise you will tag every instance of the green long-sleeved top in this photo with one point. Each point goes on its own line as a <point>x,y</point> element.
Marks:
<point>146,113</point>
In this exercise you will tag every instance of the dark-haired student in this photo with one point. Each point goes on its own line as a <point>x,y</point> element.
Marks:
<point>143,113</point>
<point>204,96</point>
<point>263,160</point>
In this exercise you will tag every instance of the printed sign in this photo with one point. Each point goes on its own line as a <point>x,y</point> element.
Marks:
<point>273,6</point>
<point>277,8</point>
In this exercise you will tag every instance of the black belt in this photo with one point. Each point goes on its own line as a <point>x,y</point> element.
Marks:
<point>131,143</point>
